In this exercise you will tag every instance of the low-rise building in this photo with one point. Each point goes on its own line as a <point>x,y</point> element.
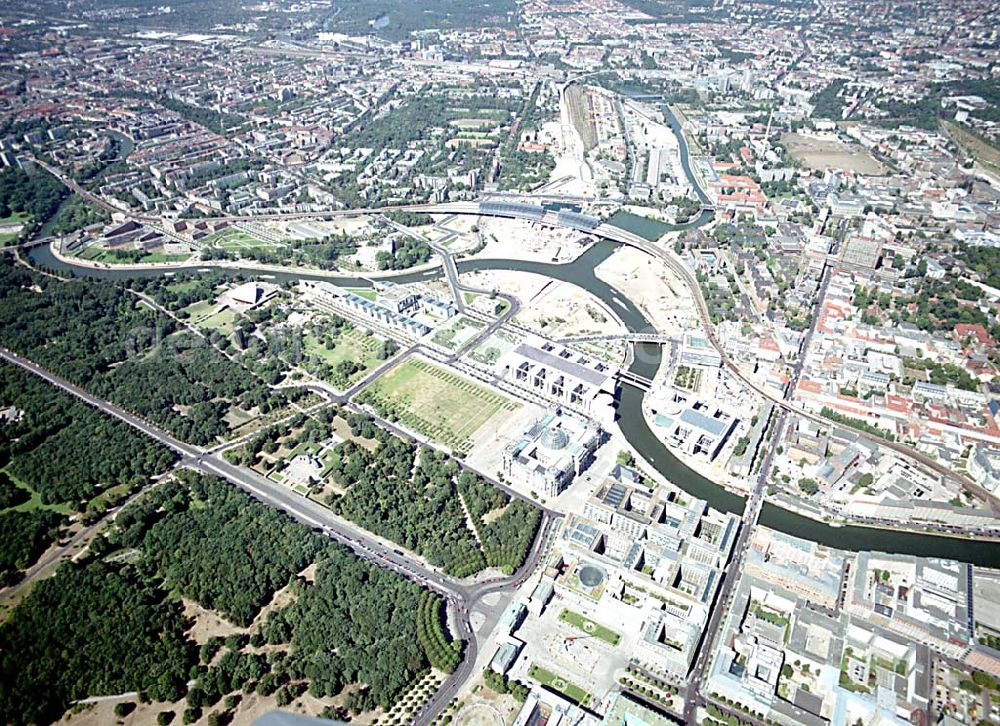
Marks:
<point>924,600</point>
<point>506,654</point>
<point>560,374</point>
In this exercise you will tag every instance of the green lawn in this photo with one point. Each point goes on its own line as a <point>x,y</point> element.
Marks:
<point>15,218</point>
<point>557,683</point>
<point>368,293</point>
<point>222,321</point>
<point>590,627</point>
<point>351,345</point>
<point>7,238</point>
<point>433,401</point>
<point>235,239</point>
<point>199,309</point>
<point>36,499</point>
<point>90,253</point>
<point>182,286</point>
<point>274,471</point>
<point>458,332</point>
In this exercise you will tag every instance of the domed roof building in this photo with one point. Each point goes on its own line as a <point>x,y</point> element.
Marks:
<point>552,451</point>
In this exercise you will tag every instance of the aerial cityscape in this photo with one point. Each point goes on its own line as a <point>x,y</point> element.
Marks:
<point>500,362</point>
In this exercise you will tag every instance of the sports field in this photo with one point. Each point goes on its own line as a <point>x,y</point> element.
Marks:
<point>589,627</point>
<point>435,402</point>
<point>557,683</point>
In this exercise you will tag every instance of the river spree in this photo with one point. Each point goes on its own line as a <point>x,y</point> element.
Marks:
<point>631,421</point>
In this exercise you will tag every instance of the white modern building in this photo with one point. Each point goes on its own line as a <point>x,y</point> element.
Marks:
<point>560,375</point>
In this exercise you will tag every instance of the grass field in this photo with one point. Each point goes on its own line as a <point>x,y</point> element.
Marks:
<point>182,286</point>
<point>590,627</point>
<point>199,309</point>
<point>15,218</point>
<point>435,402</point>
<point>235,239</point>
<point>222,321</point>
<point>351,345</point>
<point>367,293</point>
<point>557,683</point>
<point>825,153</point>
<point>35,502</point>
<point>473,123</point>
<point>458,332</point>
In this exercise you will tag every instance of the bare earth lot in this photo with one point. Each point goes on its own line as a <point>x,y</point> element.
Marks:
<point>826,153</point>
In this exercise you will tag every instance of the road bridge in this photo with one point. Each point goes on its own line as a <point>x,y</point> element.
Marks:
<point>594,225</point>
<point>628,337</point>
<point>538,214</point>
<point>635,379</point>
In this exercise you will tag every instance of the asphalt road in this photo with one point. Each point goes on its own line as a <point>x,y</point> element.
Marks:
<point>462,596</point>
<point>369,547</point>
<point>751,515</point>
<point>33,572</point>
<point>450,271</point>
<point>619,235</point>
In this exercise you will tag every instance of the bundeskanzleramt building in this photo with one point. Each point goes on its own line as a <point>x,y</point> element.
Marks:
<point>560,375</point>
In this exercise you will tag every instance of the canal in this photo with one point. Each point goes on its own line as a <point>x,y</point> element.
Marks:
<point>633,425</point>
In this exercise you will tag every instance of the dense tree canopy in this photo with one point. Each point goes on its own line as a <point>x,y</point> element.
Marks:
<point>100,336</point>
<point>37,194</point>
<point>195,532</point>
<point>356,624</point>
<point>24,535</point>
<point>406,253</point>
<point>91,453</point>
<point>419,499</point>
<point>93,629</point>
<point>66,450</point>
<point>108,624</point>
